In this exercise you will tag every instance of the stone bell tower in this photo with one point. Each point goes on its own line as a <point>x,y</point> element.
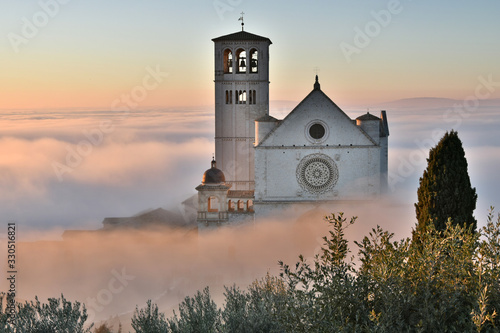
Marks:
<point>241,97</point>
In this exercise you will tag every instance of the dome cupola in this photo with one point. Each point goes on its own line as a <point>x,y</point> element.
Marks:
<point>213,176</point>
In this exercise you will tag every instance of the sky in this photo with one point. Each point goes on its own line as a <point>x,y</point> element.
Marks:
<point>74,53</point>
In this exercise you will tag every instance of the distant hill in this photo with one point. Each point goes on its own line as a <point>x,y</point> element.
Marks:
<point>420,102</point>
<point>430,103</point>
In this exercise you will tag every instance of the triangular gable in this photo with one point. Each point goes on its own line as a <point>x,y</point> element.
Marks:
<point>317,106</point>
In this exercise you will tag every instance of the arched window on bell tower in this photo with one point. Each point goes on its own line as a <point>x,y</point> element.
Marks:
<point>228,61</point>
<point>229,97</point>
<point>252,97</point>
<point>254,61</point>
<point>241,57</point>
<point>241,97</point>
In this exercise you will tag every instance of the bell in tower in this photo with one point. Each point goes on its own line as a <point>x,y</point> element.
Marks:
<point>242,55</point>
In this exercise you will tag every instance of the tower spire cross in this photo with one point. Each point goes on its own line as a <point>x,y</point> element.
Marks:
<point>241,19</point>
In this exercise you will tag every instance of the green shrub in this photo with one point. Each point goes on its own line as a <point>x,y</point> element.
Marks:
<point>149,320</point>
<point>197,314</point>
<point>57,316</point>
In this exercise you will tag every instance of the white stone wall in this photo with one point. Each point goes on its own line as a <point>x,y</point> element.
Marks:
<point>276,173</point>
<point>293,211</point>
<point>356,156</point>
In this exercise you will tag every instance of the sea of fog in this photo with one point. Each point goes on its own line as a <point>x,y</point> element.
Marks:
<point>69,169</point>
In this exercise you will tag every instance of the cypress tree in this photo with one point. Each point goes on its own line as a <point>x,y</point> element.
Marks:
<point>445,190</point>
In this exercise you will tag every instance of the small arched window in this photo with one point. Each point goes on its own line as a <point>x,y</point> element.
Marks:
<point>242,97</point>
<point>230,206</point>
<point>228,61</point>
<point>241,205</point>
<point>227,97</point>
<point>254,61</point>
<point>242,61</point>
<point>213,204</point>
<point>252,97</point>
<point>250,205</point>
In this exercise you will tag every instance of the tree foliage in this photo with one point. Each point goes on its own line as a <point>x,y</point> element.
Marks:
<point>196,314</point>
<point>57,316</point>
<point>445,189</point>
<point>324,294</point>
<point>450,283</point>
<point>257,309</point>
<point>104,328</point>
<point>149,320</point>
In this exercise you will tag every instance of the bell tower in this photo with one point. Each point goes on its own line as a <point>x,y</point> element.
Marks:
<point>241,97</point>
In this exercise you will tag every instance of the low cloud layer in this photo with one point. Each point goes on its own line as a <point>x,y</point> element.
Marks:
<point>74,172</point>
<point>114,272</point>
<point>72,168</point>
<point>155,158</point>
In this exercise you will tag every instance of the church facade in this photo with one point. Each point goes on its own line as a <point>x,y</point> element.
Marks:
<point>316,154</point>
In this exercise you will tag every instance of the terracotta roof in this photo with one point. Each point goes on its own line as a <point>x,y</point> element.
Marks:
<point>242,35</point>
<point>240,194</point>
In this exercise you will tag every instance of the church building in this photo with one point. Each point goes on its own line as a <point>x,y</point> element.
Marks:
<point>316,154</point>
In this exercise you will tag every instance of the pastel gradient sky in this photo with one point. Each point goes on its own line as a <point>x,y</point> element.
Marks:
<point>90,52</point>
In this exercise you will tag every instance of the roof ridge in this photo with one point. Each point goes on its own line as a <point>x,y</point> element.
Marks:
<point>242,35</point>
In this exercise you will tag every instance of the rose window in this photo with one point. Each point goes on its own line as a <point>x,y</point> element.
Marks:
<point>317,173</point>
